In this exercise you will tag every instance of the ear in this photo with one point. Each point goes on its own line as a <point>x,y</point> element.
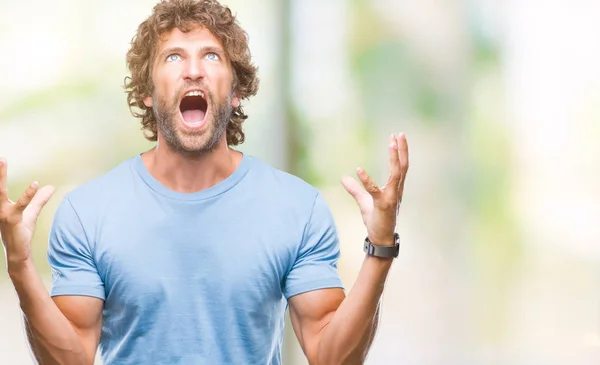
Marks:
<point>235,101</point>
<point>148,101</point>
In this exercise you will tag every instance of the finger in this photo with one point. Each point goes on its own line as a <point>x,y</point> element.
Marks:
<point>3,187</point>
<point>368,183</point>
<point>26,198</point>
<point>395,173</point>
<point>353,187</point>
<point>39,200</point>
<point>402,151</point>
<point>403,158</point>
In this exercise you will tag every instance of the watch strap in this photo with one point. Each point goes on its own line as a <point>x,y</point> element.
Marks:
<point>383,251</point>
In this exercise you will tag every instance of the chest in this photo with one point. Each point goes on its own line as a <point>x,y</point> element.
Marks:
<point>209,257</point>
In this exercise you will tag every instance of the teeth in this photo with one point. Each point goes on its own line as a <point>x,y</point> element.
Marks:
<point>195,93</point>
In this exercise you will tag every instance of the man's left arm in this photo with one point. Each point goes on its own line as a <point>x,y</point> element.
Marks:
<point>335,329</point>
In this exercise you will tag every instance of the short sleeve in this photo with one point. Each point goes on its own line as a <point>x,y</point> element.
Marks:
<point>316,264</point>
<point>70,258</point>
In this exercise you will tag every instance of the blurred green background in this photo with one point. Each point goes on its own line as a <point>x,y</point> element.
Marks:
<point>501,105</point>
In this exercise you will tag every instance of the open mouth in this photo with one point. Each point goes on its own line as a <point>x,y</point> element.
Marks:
<point>193,107</point>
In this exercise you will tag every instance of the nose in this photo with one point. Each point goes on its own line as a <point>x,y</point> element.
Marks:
<point>193,69</point>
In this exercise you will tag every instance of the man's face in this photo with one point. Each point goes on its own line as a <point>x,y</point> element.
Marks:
<point>192,97</point>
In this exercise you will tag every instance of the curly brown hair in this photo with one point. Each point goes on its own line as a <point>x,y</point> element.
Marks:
<point>187,15</point>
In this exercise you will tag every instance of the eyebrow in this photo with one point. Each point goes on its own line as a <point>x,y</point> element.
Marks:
<point>205,49</point>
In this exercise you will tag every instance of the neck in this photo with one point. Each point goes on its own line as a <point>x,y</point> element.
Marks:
<point>189,172</point>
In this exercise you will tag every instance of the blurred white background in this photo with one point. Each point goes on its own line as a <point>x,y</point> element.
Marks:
<point>500,100</point>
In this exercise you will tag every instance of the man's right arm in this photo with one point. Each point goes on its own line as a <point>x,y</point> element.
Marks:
<point>65,330</point>
<point>60,330</point>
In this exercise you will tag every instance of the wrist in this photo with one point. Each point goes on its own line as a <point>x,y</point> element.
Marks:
<point>16,268</point>
<point>383,242</point>
<point>387,240</point>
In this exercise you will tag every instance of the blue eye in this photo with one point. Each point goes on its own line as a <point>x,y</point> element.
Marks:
<point>173,57</point>
<point>212,56</point>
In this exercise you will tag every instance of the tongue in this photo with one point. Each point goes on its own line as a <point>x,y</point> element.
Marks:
<point>193,116</point>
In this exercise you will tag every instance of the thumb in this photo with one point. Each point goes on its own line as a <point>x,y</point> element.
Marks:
<point>39,201</point>
<point>352,186</point>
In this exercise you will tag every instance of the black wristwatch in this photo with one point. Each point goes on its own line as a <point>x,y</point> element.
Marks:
<point>383,251</point>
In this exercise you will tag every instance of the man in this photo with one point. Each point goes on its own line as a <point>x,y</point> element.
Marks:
<point>191,252</point>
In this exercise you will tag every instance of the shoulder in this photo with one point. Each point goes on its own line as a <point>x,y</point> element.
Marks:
<point>286,197</point>
<point>275,181</point>
<point>104,188</point>
<point>77,211</point>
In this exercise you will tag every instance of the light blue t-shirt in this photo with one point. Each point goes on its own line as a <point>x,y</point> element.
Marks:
<point>199,278</point>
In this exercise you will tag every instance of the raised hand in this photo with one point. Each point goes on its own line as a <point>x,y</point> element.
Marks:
<point>18,220</point>
<point>379,206</point>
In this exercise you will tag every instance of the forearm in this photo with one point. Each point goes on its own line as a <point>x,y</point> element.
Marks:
<point>370,335</point>
<point>350,333</point>
<point>52,338</point>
